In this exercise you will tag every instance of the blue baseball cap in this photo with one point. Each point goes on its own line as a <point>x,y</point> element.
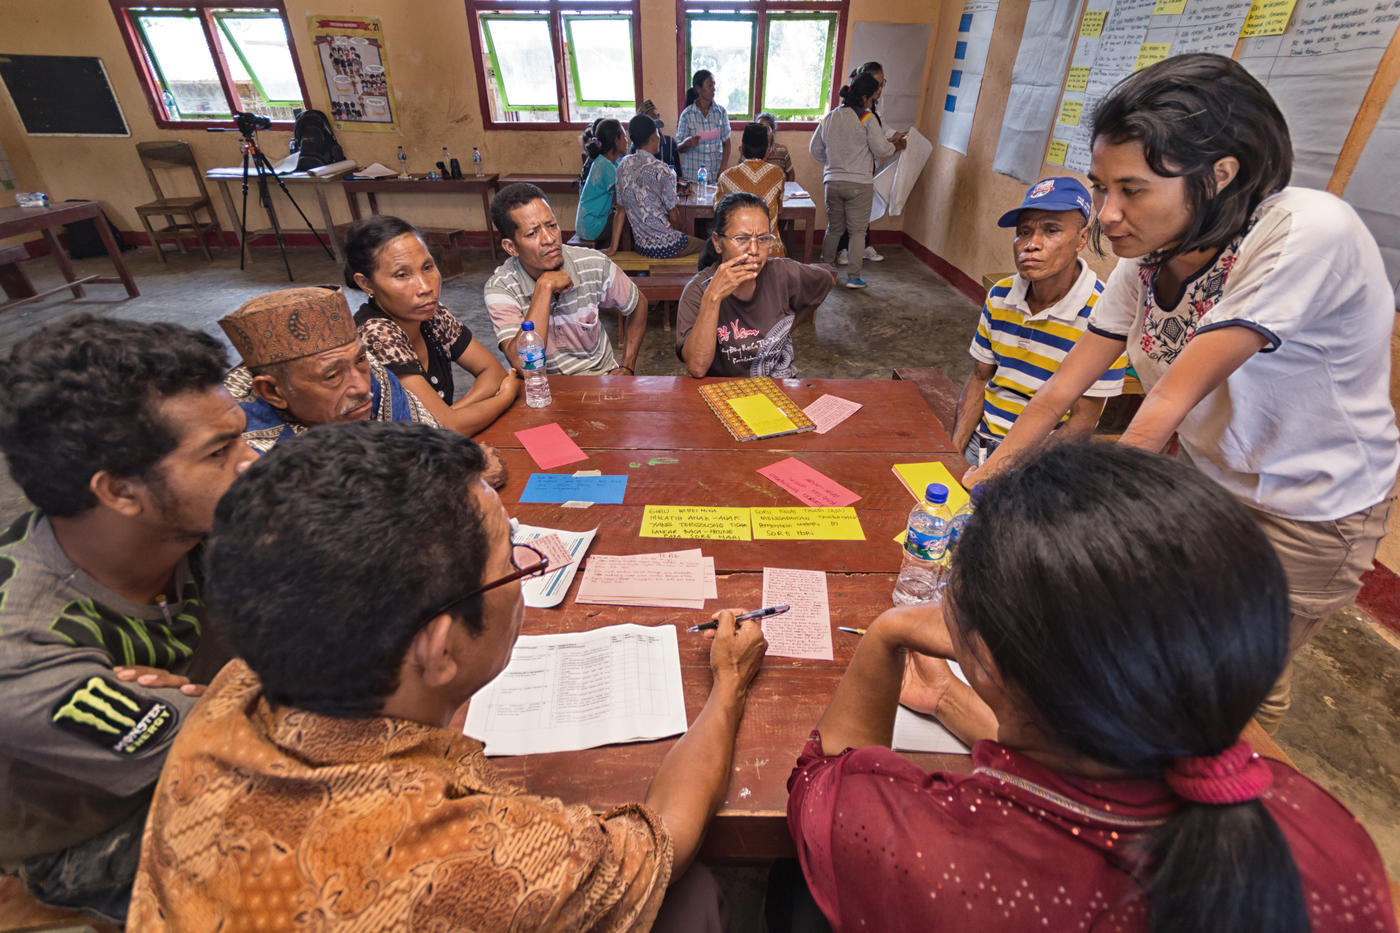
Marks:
<point>1052,194</point>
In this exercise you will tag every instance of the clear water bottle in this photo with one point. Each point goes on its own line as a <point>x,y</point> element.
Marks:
<point>403,162</point>
<point>923,573</point>
<point>963,513</point>
<point>530,347</point>
<point>703,178</point>
<point>479,169</point>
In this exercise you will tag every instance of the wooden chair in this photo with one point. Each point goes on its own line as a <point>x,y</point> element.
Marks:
<point>173,156</point>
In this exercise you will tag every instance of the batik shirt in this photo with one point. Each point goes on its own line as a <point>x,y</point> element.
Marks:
<point>646,189</point>
<point>706,152</point>
<point>275,818</point>
<point>80,749</point>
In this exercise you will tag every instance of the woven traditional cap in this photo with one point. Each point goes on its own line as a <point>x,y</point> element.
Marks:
<point>290,324</point>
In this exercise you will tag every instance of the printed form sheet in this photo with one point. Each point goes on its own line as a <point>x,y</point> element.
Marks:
<point>560,693</point>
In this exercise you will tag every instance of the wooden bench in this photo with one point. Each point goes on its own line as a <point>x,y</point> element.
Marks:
<point>445,244</point>
<point>12,278</point>
<point>629,262</point>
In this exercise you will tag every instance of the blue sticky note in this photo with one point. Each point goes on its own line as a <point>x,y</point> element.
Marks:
<point>950,103</point>
<point>960,51</point>
<point>955,79</point>
<point>965,24</point>
<point>559,487</point>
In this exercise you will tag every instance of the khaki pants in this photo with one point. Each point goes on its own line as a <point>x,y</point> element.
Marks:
<point>1324,562</point>
<point>847,211</point>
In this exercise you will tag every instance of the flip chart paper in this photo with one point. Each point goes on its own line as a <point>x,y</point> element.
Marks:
<point>917,476</point>
<point>806,525</point>
<point>804,631</point>
<point>807,484</point>
<point>761,415</point>
<point>829,411</point>
<point>557,487</point>
<point>550,446</point>
<point>695,521</point>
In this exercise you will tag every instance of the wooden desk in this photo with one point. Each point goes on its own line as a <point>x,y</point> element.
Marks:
<point>659,431</point>
<point>15,221</point>
<point>485,185</point>
<point>695,206</point>
<point>567,184</point>
<point>227,177</point>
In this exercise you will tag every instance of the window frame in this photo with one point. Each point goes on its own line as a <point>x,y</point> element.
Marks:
<point>148,70</point>
<point>760,10</point>
<point>556,11</point>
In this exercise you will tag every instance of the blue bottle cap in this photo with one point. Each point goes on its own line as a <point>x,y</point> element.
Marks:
<point>936,493</point>
<point>528,325</point>
<point>975,493</point>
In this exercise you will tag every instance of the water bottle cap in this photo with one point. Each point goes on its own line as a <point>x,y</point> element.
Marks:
<point>528,325</point>
<point>975,493</point>
<point>936,493</point>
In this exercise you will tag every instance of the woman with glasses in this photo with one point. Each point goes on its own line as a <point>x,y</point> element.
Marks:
<point>758,177</point>
<point>736,317</point>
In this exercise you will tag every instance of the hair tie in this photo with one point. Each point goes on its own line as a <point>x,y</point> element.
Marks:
<point>1236,775</point>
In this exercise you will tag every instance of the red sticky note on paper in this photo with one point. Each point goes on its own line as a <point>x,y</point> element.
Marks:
<point>550,446</point>
<point>807,484</point>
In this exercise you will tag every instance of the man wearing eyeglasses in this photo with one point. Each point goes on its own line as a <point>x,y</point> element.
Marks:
<point>325,774</point>
<point>735,318</point>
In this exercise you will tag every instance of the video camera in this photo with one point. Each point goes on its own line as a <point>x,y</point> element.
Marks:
<point>249,123</point>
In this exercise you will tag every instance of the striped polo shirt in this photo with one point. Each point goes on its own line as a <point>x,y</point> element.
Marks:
<point>1027,348</point>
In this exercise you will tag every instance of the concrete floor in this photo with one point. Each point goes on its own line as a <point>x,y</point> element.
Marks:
<point>1343,731</point>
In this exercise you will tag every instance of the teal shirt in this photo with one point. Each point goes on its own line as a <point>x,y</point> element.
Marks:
<point>596,200</point>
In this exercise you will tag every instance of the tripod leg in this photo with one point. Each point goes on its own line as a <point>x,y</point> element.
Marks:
<point>266,194</point>
<point>243,231</point>
<point>283,185</point>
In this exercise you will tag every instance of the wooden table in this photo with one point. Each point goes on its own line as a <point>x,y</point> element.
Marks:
<point>696,205</point>
<point>15,221</point>
<point>659,431</point>
<point>227,177</point>
<point>567,184</point>
<point>485,185</point>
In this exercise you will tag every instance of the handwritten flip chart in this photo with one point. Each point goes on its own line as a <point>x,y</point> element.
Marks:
<point>1268,18</point>
<point>829,411</point>
<point>1091,26</point>
<point>761,415</point>
<point>811,486</point>
<point>549,446</point>
<point>804,631</point>
<point>1150,53</point>
<point>556,487</point>
<point>695,521</point>
<point>794,524</point>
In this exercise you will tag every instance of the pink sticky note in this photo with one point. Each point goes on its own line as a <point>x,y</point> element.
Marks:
<point>553,548</point>
<point>550,446</point>
<point>804,631</point>
<point>807,484</point>
<point>708,135</point>
<point>829,411</point>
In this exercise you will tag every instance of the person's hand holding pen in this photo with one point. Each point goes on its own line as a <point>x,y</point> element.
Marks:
<point>737,648</point>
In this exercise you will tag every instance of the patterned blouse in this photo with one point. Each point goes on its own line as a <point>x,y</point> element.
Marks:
<point>447,339</point>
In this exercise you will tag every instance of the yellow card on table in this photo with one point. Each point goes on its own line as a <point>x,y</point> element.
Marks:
<point>761,415</point>
<point>1070,111</point>
<point>1151,53</point>
<point>1058,152</point>
<point>695,521</point>
<point>1091,26</point>
<point>1267,18</point>
<point>1168,7</point>
<point>1078,78</point>
<point>917,476</point>
<point>810,524</point>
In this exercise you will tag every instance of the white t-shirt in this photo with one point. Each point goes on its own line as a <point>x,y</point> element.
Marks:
<point>1304,429</point>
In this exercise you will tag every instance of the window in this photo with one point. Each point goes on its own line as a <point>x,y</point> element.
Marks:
<point>774,56</point>
<point>201,62</point>
<point>549,63</point>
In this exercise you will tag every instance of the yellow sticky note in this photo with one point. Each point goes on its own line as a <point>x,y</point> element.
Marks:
<point>1168,7</point>
<point>761,415</point>
<point>917,476</point>
<point>694,521</point>
<point>1078,78</point>
<point>816,524</point>
<point>1268,18</point>
<point>1070,111</point>
<point>1059,151</point>
<point>1091,26</point>
<point>1151,53</point>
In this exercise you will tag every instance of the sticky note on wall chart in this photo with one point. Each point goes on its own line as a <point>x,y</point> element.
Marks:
<point>1168,7</point>
<point>1078,79</point>
<point>1151,53</point>
<point>1070,111</point>
<point>1268,18</point>
<point>1057,153</point>
<point>1091,26</point>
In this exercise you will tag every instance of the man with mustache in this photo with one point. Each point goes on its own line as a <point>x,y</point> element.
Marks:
<point>1031,320</point>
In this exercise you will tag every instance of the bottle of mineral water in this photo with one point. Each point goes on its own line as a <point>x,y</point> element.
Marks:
<point>403,162</point>
<point>922,575</point>
<point>477,167</point>
<point>530,347</point>
<point>703,178</point>
<point>963,513</point>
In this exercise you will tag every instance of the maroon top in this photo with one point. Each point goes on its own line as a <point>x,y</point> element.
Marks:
<point>1015,846</point>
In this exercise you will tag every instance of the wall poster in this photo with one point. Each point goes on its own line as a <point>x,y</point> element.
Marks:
<point>351,52</point>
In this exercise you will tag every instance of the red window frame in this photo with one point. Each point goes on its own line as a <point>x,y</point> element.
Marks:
<point>151,86</point>
<point>556,10</point>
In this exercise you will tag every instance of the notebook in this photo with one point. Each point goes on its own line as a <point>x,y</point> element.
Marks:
<point>754,408</point>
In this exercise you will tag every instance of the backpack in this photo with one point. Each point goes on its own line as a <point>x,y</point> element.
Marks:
<point>313,138</point>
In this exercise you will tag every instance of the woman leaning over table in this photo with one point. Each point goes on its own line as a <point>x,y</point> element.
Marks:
<point>1119,616</point>
<point>405,327</point>
<point>1258,317</point>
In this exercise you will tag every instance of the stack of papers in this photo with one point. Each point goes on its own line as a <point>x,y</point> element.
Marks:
<point>548,591</point>
<point>375,170</point>
<point>672,579</point>
<point>917,476</point>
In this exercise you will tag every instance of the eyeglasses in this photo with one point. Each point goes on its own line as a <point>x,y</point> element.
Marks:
<point>742,241</point>
<point>528,562</point>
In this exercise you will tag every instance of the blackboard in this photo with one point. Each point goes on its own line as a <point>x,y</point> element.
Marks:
<point>62,95</point>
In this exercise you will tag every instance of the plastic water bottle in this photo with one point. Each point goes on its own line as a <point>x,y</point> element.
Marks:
<point>531,350</point>
<point>963,513</point>
<point>403,162</point>
<point>923,573</point>
<point>703,178</point>
<point>479,170</point>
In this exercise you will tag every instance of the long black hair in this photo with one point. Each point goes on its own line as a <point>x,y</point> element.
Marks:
<point>870,68</point>
<point>692,93</point>
<point>853,95</point>
<point>599,139</point>
<point>1189,112</point>
<point>1142,616</point>
<point>731,203</point>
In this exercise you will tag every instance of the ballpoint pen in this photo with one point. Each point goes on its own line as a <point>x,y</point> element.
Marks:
<point>755,614</point>
<point>853,631</point>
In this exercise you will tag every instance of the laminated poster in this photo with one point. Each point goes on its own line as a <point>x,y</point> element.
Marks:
<point>351,52</point>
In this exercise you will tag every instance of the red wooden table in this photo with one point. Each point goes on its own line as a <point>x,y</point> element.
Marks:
<point>696,205</point>
<point>18,220</point>
<point>659,431</point>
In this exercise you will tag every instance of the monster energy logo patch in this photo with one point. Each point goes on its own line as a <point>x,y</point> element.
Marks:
<point>107,713</point>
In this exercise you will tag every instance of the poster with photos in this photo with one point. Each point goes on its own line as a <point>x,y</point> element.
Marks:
<point>351,52</point>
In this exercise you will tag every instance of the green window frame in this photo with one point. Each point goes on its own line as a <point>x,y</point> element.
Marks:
<point>569,20</point>
<point>497,76</point>
<point>736,17</point>
<point>219,17</point>
<point>138,18</point>
<point>829,64</point>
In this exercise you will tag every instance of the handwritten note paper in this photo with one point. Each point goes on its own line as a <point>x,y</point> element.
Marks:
<point>804,631</point>
<point>807,484</point>
<point>556,487</point>
<point>679,579</point>
<point>1070,111</point>
<point>1169,7</point>
<point>1078,78</point>
<point>1091,26</point>
<point>829,411</point>
<point>553,548</point>
<point>1268,18</point>
<point>761,415</point>
<point>1150,53</point>
<point>695,521</point>
<point>1057,152</point>
<point>806,525</point>
<point>550,446</point>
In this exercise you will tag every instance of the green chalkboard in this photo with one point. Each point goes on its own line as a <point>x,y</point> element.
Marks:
<point>62,95</point>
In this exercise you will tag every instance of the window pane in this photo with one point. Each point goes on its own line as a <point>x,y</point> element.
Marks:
<point>263,42</point>
<point>180,56</point>
<point>725,47</point>
<point>600,57</point>
<point>797,65</point>
<point>523,61</point>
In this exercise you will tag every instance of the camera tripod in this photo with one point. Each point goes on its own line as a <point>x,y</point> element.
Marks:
<point>265,170</point>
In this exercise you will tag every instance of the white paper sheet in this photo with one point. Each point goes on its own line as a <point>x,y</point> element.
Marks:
<point>548,591</point>
<point>974,39</point>
<point>902,49</point>
<point>1031,105</point>
<point>917,732</point>
<point>559,693</point>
